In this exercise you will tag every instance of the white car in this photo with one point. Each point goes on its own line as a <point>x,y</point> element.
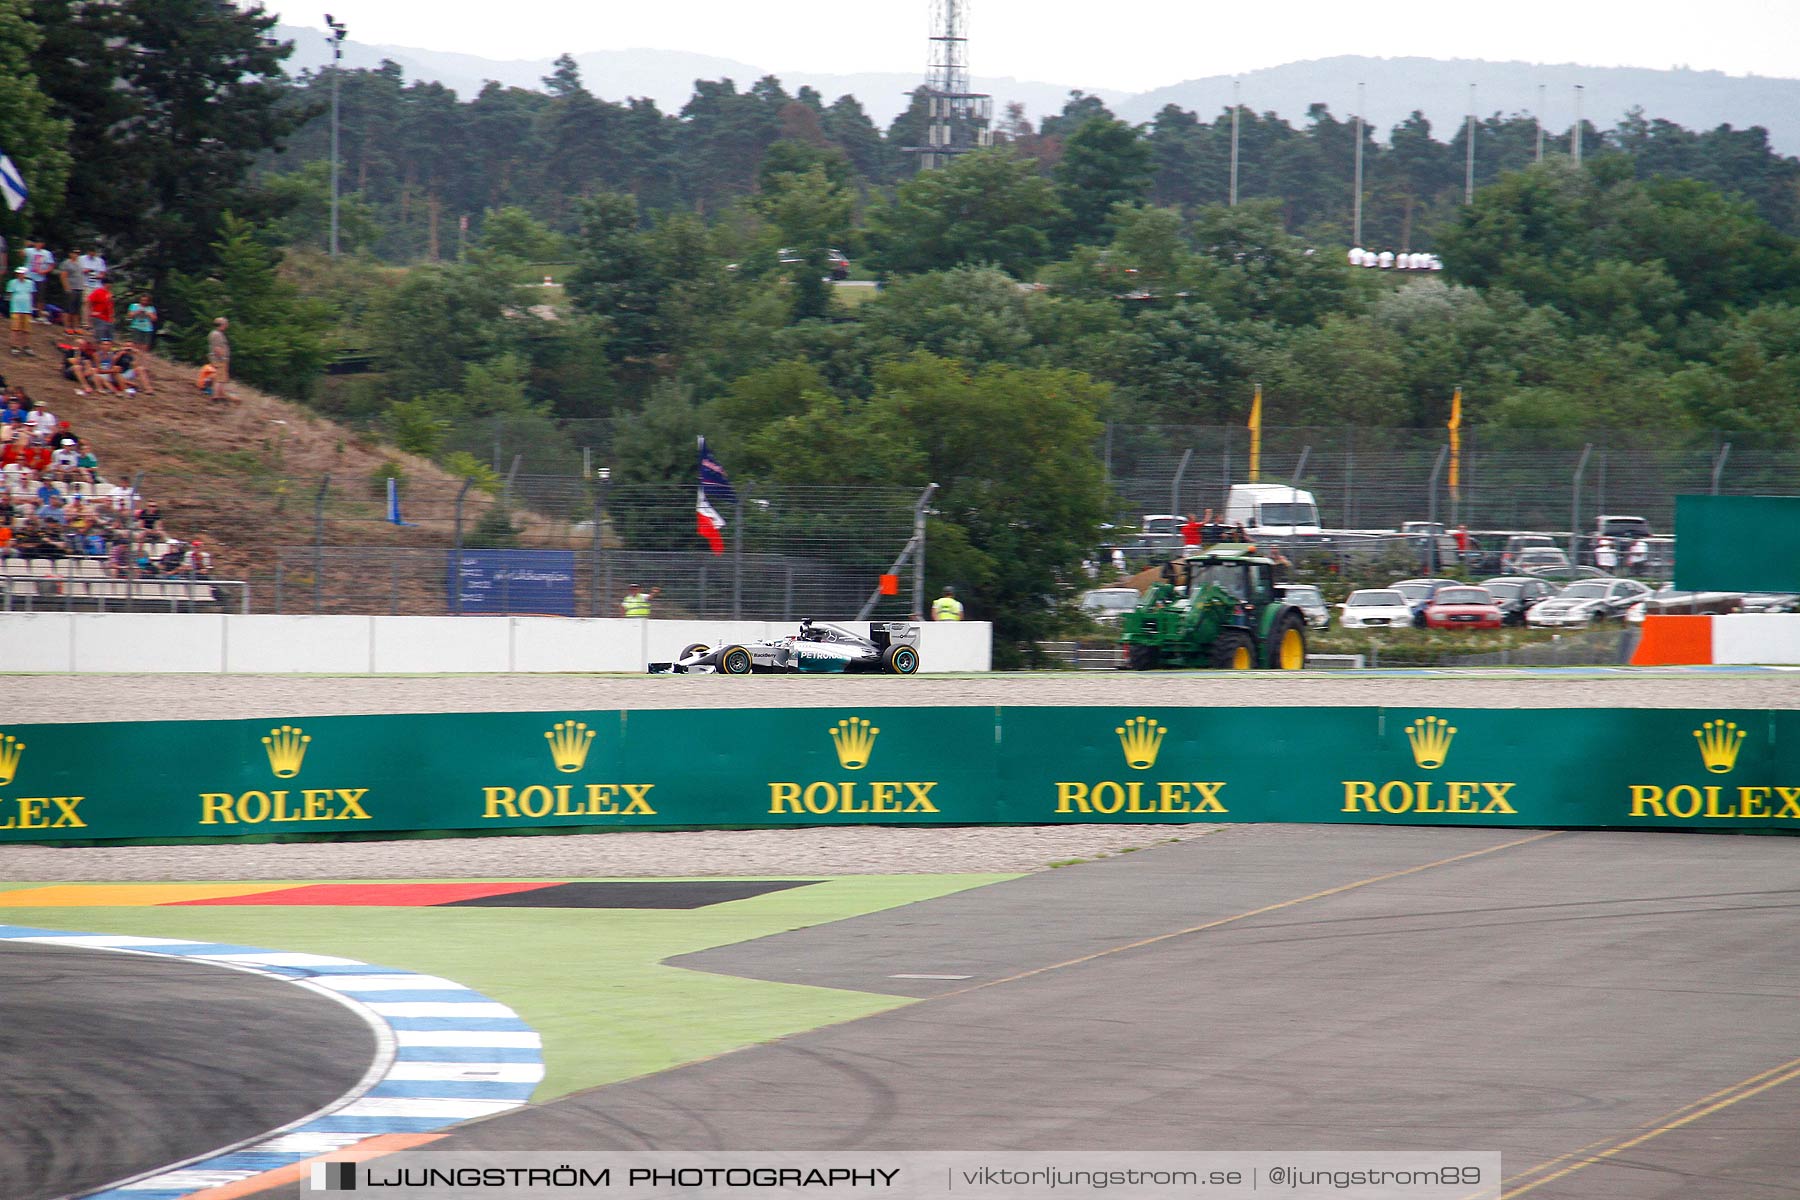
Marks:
<point>1376,608</point>
<point>1587,601</point>
<point>1108,606</point>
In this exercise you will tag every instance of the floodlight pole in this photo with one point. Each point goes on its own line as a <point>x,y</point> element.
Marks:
<point>338,30</point>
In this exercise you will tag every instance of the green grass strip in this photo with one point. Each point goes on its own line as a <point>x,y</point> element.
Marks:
<point>592,981</point>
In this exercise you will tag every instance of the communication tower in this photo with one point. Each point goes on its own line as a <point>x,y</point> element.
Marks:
<point>957,120</point>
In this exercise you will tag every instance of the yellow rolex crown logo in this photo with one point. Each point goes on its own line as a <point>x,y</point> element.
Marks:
<point>569,742</point>
<point>1141,738</point>
<point>1719,743</point>
<point>855,740</point>
<point>11,751</point>
<point>286,748</point>
<point>1430,738</point>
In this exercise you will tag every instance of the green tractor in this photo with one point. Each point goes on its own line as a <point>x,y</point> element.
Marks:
<point>1215,608</point>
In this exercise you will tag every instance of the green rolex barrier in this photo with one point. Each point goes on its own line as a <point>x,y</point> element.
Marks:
<point>1631,768</point>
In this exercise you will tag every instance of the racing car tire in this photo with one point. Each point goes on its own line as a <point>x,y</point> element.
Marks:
<point>900,660</point>
<point>691,650</point>
<point>734,660</point>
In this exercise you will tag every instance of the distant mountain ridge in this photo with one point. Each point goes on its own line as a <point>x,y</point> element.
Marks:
<point>1393,86</point>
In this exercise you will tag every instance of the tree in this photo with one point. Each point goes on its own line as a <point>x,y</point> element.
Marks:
<point>811,214</point>
<point>439,318</point>
<point>34,138</point>
<point>614,279</point>
<point>1014,519</point>
<point>277,337</point>
<point>975,314</point>
<point>170,103</point>
<point>1077,110</point>
<point>1104,163</point>
<point>989,207</point>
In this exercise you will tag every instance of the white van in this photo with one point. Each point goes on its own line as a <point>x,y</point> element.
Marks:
<point>1272,510</point>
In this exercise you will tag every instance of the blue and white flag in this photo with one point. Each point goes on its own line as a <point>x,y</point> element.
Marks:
<point>12,185</point>
<point>715,489</point>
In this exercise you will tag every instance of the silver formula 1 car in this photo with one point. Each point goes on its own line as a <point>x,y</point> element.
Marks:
<point>819,648</point>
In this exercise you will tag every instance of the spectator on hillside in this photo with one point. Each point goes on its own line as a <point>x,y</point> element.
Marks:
<point>65,465</point>
<point>20,303</point>
<point>101,376</point>
<point>149,516</point>
<point>33,541</point>
<point>92,267</point>
<point>100,307</point>
<point>74,286</point>
<point>81,363</point>
<point>206,382</point>
<point>200,560</point>
<point>218,357</point>
<point>44,421</point>
<point>54,511</point>
<point>141,319</point>
<point>36,455</point>
<point>39,264</point>
<point>119,556</point>
<point>132,371</point>
<point>14,413</point>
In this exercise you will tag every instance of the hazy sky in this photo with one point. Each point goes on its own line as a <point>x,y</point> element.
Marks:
<point>1132,45</point>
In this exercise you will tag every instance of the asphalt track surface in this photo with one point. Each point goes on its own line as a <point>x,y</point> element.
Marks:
<point>155,1060</point>
<point>1615,1012</point>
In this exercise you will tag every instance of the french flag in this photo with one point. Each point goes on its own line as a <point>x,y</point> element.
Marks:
<point>715,488</point>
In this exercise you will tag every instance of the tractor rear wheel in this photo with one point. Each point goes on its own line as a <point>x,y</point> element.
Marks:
<point>1141,658</point>
<point>1286,648</point>
<point>1233,651</point>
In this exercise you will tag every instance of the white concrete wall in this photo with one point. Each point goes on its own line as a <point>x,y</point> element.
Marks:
<point>264,644</point>
<point>1745,638</point>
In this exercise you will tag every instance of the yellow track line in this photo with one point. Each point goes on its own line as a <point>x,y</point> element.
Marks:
<point>1687,1114</point>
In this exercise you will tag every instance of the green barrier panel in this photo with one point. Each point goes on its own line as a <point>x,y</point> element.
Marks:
<point>920,766</point>
<point>1738,543</point>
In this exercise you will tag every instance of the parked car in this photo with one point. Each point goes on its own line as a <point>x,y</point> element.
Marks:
<point>837,263</point>
<point>1568,574</point>
<point>1161,533</point>
<point>1517,595</point>
<point>1587,601</point>
<point>1306,598</point>
<point>1465,607</point>
<point>1520,542</point>
<point>1666,599</point>
<point>1418,593</point>
<point>1108,606</point>
<point>1372,608</point>
<point>1538,558</point>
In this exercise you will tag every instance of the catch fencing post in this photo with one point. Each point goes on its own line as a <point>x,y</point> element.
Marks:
<point>319,540</point>
<point>913,551</point>
<point>1575,505</point>
<point>455,574</point>
<point>604,474</point>
<point>737,560</point>
<point>1719,466</point>
<point>1175,488</point>
<point>1437,471</point>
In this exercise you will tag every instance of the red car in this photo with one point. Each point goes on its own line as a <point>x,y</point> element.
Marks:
<point>1462,608</point>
